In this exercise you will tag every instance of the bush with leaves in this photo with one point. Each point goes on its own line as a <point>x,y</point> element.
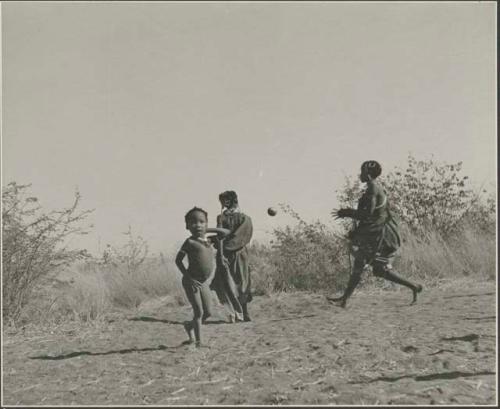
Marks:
<point>34,244</point>
<point>429,194</point>
<point>308,256</point>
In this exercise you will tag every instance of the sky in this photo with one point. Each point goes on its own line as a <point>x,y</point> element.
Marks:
<point>151,108</point>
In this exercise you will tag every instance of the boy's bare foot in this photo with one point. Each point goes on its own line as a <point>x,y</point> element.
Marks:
<point>204,318</point>
<point>342,300</point>
<point>247,318</point>
<point>231,319</point>
<point>334,299</point>
<point>418,289</point>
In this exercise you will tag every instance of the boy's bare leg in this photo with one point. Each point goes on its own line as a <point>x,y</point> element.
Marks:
<point>351,286</point>
<point>206,302</point>
<point>416,290</point>
<point>354,279</point>
<point>246,315</point>
<point>386,272</point>
<point>197,330</point>
<point>195,298</point>
<point>188,327</point>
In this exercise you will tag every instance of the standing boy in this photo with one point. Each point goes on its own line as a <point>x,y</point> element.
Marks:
<point>200,271</point>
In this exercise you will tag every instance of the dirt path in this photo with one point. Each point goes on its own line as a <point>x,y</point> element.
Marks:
<point>298,350</point>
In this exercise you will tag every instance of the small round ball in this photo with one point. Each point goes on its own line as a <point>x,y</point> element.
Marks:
<point>272,211</point>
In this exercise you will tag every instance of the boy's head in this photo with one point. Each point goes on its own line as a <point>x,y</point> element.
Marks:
<point>196,221</point>
<point>228,199</point>
<point>370,168</point>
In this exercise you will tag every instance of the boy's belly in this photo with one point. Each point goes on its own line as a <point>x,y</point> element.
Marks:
<point>200,270</point>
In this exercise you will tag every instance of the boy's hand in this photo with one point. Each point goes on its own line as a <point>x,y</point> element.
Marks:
<point>212,239</point>
<point>196,283</point>
<point>341,213</point>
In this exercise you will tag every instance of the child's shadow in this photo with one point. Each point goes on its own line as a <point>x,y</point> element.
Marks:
<point>120,351</point>
<point>152,319</point>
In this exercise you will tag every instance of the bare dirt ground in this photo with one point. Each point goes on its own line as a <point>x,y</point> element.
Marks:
<point>299,349</point>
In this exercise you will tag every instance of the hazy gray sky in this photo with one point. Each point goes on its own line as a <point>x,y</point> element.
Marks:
<point>152,108</point>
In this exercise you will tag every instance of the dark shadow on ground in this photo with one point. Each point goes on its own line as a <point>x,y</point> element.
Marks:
<point>428,377</point>
<point>296,317</point>
<point>467,295</point>
<point>120,351</point>
<point>152,319</point>
<point>215,322</point>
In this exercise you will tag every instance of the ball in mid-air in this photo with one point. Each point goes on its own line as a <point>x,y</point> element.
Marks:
<point>272,211</point>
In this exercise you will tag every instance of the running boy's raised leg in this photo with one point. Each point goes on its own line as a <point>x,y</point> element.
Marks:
<point>382,268</point>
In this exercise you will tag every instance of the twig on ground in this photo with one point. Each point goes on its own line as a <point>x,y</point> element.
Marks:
<point>178,391</point>
<point>296,384</point>
<point>175,398</point>
<point>314,383</point>
<point>272,352</point>
<point>27,388</point>
<point>214,381</point>
<point>145,384</point>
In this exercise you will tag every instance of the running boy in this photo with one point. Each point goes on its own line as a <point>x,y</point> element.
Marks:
<point>200,271</point>
<point>376,237</point>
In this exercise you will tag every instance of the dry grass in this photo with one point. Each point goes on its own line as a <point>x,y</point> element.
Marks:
<point>430,259</point>
<point>91,291</point>
<point>433,257</point>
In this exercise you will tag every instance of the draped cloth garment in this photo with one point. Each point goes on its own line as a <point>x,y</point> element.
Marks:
<point>232,281</point>
<point>377,230</point>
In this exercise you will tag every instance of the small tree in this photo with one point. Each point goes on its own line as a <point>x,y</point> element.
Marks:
<point>33,244</point>
<point>131,255</point>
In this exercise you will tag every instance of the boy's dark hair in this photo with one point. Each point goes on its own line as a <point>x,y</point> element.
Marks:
<point>372,167</point>
<point>189,214</point>
<point>229,195</point>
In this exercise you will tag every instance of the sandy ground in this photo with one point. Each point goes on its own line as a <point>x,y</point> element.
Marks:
<point>299,349</point>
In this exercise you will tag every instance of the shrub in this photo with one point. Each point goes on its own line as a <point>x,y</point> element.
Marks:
<point>33,244</point>
<point>308,256</point>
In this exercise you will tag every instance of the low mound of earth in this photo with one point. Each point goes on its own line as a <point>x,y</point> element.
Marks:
<point>299,349</point>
